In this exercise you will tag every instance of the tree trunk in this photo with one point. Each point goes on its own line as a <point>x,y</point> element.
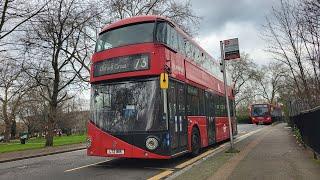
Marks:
<point>7,131</point>
<point>50,133</point>
<point>6,120</point>
<point>30,129</point>
<point>13,130</point>
<point>51,124</point>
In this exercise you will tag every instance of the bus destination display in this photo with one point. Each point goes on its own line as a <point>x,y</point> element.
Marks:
<point>135,62</point>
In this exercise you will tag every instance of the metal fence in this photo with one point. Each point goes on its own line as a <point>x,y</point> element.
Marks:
<point>308,123</point>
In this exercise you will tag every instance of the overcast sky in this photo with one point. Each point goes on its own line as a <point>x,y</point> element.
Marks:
<point>225,19</point>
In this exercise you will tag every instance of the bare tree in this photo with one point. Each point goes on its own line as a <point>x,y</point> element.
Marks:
<point>179,12</point>
<point>13,86</point>
<point>32,113</point>
<point>271,80</point>
<point>308,21</point>
<point>292,37</point>
<point>54,42</point>
<point>242,74</point>
<point>15,13</point>
<point>73,117</point>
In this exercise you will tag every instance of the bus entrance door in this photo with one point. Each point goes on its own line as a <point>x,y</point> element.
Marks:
<point>177,118</point>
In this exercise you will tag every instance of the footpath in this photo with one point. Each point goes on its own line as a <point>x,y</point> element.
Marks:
<point>25,154</point>
<point>272,153</point>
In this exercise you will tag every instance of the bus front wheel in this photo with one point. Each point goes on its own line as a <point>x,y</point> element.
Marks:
<point>195,142</point>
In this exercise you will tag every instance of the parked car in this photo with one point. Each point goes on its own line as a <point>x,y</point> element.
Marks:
<point>1,138</point>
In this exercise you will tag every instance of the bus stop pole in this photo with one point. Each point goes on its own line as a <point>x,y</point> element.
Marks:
<point>225,92</point>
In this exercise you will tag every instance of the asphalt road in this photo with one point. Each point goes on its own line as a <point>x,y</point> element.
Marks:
<point>77,165</point>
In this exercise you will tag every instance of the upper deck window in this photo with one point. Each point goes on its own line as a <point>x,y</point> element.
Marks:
<point>132,34</point>
<point>167,34</point>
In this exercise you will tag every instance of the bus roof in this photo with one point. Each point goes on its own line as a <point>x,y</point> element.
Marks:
<point>132,20</point>
<point>145,18</point>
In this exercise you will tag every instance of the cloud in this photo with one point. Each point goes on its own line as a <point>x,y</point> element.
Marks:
<point>249,40</point>
<point>216,13</point>
<point>225,19</point>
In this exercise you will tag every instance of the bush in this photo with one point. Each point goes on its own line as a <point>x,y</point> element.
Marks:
<point>297,134</point>
<point>244,119</point>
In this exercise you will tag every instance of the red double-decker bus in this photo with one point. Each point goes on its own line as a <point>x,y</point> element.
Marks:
<point>265,113</point>
<point>131,115</point>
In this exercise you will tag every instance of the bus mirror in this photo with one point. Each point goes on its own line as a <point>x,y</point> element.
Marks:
<point>164,81</point>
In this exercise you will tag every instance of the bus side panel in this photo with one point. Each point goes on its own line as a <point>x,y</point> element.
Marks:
<point>222,129</point>
<point>201,123</point>
<point>196,74</point>
<point>176,62</point>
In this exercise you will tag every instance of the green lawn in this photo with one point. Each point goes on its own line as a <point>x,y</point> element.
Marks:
<point>37,143</point>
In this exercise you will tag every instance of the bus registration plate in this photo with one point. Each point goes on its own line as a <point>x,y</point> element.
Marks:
<point>115,151</point>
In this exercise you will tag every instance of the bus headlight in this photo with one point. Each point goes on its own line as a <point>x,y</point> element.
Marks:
<point>152,143</point>
<point>89,142</point>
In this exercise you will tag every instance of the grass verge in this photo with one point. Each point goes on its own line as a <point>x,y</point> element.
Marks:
<point>38,143</point>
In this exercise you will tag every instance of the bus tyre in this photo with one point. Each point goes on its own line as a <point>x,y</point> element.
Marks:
<point>195,142</point>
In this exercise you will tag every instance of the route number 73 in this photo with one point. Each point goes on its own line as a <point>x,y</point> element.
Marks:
<point>141,63</point>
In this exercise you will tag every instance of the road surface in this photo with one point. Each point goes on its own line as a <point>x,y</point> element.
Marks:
<point>77,165</point>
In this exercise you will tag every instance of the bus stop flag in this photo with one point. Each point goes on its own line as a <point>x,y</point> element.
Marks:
<point>231,49</point>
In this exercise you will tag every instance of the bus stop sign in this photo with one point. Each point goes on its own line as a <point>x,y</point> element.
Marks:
<point>231,49</point>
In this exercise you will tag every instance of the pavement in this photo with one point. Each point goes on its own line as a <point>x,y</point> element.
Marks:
<point>271,153</point>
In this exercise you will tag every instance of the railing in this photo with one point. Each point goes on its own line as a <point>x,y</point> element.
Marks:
<point>308,123</point>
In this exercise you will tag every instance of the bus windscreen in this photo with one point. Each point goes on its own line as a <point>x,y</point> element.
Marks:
<point>127,106</point>
<point>260,110</point>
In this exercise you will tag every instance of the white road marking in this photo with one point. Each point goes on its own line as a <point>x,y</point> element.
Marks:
<point>22,167</point>
<point>87,165</point>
